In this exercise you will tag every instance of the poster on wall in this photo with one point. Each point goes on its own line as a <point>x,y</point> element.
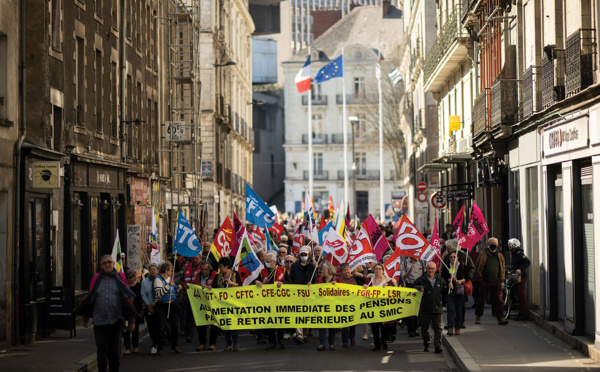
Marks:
<point>134,240</point>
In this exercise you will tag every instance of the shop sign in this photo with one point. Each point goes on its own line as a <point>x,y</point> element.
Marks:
<point>456,195</point>
<point>104,178</point>
<point>566,137</point>
<point>45,174</point>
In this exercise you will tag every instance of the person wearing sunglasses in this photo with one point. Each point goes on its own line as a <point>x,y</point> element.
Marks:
<point>109,304</point>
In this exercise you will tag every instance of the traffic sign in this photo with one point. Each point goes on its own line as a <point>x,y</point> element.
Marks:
<point>422,197</point>
<point>389,211</point>
<point>421,186</point>
<point>438,201</point>
<point>397,203</point>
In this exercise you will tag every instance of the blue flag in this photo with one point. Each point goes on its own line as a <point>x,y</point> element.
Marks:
<point>257,211</point>
<point>331,70</point>
<point>186,243</point>
<point>324,231</point>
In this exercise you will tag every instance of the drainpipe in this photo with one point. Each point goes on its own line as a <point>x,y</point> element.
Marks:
<point>18,147</point>
<point>123,63</point>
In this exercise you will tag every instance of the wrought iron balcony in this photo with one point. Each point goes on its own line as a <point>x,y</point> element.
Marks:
<point>318,100</point>
<point>451,32</point>
<point>316,138</point>
<point>528,92</point>
<point>480,113</point>
<point>356,99</point>
<point>317,175</point>
<point>361,175</point>
<point>505,102</point>
<point>580,60</point>
<point>337,138</point>
<point>553,77</point>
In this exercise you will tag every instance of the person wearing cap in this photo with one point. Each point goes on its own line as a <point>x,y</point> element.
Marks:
<point>302,272</point>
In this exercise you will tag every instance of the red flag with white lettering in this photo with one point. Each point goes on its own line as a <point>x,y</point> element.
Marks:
<point>477,228</point>
<point>392,265</point>
<point>223,243</point>
<point>361,250</point>
<point>409,240</point>
<point>298,241</point>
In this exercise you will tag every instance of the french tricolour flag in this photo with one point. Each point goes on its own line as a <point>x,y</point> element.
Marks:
<point>303,77</point>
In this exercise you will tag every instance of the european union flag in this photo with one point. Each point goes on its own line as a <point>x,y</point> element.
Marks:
<point>331,70</point>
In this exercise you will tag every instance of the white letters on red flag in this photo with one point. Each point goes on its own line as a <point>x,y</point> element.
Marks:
<point>298,240</point>
<point>435,244</point>
<point>477,228</point>
<point>223,243</point>
<point>410,241</point>
<point>378,240</point>
<point>258,237</point>
<point>457,227</point>
<point>276,229</point>
<point>361,250</point>
<point>392,265</point>
<point>335,248</point>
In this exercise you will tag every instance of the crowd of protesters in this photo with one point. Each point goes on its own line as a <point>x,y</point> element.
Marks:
<point>161,302</point>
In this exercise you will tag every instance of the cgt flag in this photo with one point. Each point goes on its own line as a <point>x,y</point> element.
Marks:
<point>361,250</point>
<point>223,243</point>
<point>477,228</point>
<point>335,248</point>
<point>257,211</point>
<point>392,265</point>
<point>186,243</point>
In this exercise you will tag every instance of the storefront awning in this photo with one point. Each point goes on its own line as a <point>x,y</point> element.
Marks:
<point>433,167</point>
<point>453,158</point>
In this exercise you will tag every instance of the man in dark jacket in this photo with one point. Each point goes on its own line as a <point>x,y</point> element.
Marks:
<point>520,264</point>
<point>489,272</point>
<point>433,288</point>
<point>302,272</point>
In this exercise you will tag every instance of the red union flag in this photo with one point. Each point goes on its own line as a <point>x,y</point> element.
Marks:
<point>298,241</point>
<point>392,265</point>
<point>477,228</point>
<point>435,244</point>
<point>223,243</point>
<point>336,249</point>
<point>378,240</point>
<point>276,229</point>
<point>361,250</point>
<point>457,227</point>
<point>409,240</point>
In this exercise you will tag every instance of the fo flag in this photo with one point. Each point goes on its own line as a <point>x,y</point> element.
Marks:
<point>457,227</point>
<point>477,228</point>
<point>361,250</point>
<point>378,240</point>
<point>246,263</point>
<point>223,243</point>
<point>392,265</point>
<point>409,240</point>
<point>186,243</point>
<point>257,211</point>
<point>335,248</point>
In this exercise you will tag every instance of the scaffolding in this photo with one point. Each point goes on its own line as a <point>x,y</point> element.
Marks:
<point>182,131</point>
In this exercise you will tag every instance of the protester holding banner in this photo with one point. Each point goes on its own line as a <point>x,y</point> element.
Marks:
<point>302,272</point>
<point>379,331</point>
<point>328,276</point>
<point>433,287</point>
<point>412,270</point>
<point>229,279</point>
<point>346,276</point>
<point>281,255</point>
<point>206,279</point>
<point>167,309</point>
<point>289,260</point>
<point>454,273</point>
<point>272,274</point>
<point>190,273</point>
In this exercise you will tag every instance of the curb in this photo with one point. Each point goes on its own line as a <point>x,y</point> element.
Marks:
<point>464,361</point>
<point>90,363</point>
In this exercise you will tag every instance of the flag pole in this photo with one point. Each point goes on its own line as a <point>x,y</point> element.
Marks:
<point>310,154</point>
<point>345,130</point>
<point>381,211</point>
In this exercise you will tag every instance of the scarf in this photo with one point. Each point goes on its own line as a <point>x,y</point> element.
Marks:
<point>112,275</point>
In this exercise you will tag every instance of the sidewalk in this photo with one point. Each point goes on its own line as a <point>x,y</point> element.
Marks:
<point>517,346</point>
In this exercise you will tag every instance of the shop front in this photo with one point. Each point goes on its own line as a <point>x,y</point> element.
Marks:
<point>570,168</point>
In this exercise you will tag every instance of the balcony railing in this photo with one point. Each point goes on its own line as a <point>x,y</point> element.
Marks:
<point>505,102</point>
<point>553,77</point>
<point>480,113</point>
<point>528,90</point>
<point>580,60</point>
<point>319,100</point>
<point>316,138</point>
<point>354,99</point>
<point>452,30</point>
<point>317,175</point>
<point>364,175</point>
<point>337,138</point>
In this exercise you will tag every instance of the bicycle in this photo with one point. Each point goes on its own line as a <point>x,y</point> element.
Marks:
<point>508,294</point>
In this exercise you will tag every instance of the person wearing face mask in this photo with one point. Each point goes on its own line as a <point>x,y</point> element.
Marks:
<point>489,272</point>
<point>272,274</point>
<point>302,273</point>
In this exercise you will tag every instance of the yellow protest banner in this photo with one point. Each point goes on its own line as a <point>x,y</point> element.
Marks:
<point>300,306</point>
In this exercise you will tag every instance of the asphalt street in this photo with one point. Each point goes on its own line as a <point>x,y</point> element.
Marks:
<point>405,354</point>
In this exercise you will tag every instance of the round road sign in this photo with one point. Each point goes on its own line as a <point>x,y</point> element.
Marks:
<point>421,186</point>
<point>422,197</point>
<point>435,202</point>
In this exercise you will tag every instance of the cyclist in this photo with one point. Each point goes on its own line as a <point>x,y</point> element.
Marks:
<point>520,264</point>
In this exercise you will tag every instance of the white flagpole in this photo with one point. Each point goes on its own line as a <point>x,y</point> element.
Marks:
<point>310,153</point>
<point>345,131</point>
<point>381,211</point>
